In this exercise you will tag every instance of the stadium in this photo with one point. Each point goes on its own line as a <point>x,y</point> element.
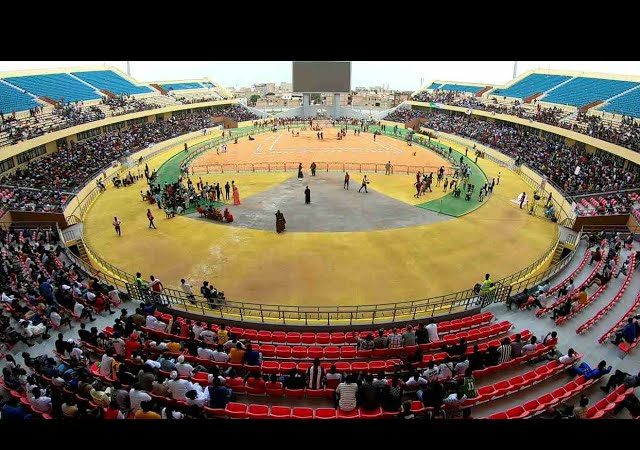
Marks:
<point>171,252</point>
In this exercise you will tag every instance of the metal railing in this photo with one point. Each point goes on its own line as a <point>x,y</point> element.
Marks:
<point>321,166</point>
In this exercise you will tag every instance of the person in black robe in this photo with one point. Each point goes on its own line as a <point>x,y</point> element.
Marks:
<point>307,196</point>
<point>300,176</point>
<point>280,222</point>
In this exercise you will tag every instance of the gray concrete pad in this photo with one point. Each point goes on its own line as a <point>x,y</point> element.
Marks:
<point>332,207</point>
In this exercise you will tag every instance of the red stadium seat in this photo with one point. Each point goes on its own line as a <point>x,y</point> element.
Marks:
<point>299,351</point>
<point>337,337</point>
<point>278,337</point>
<point>323,338</point>
<point>332,352</point>
<point>347,352</point>
<point>287,366</point>
<point>294,393</point>
<point>236,410</point>
<point>302,413</point>
<point>264,336</point>
<point>269,367</point>
<point>258,411</point>
<point>280,412</point>
<point>293,337</point>
<point>274,389</point>
<point>517,412</point>
<point>325,413</point>
<point>368,414</point>
<point>355,414</point>
<point>283,352</point>
<point>498,416</point>
<point>314,393</point>
<point>268,350</point>
<point>308,338</point>
<point>315,351</point>
<point>359,366</point>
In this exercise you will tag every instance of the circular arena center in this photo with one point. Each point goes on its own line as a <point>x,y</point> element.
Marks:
<point>225,260</point>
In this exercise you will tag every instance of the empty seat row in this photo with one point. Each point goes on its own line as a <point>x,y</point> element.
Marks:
<point>517,383</point>
<point>557,287</point>
<point>609,403</point>
<point>605,309</point>
<point>622,321</point>
<point>536,406</point>
<point>236,410</point>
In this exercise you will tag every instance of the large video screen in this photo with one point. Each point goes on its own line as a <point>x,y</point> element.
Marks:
<point>321,76</point>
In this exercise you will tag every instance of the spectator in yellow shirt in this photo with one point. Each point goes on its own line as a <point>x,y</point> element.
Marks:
<point>145,412</point>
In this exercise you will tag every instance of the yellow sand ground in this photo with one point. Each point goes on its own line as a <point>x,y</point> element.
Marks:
<point>248,183</point>
<point>323,268</point>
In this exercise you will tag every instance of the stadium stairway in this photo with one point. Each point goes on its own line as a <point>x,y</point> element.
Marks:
<point>585,343</point>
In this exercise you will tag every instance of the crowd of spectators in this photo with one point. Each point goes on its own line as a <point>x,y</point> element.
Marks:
<point>126,104</point>
<point>570,168</point>
<point>71,167</point>
<point>625,133</point>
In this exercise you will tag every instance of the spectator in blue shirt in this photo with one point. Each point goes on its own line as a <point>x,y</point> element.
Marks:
<point>589,373</point>
<point>12,410</point>
<point>629,333</point>
<point>252,357</point>
<point>46,290</point>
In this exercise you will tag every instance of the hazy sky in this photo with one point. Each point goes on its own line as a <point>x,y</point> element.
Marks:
<point>403,75</point>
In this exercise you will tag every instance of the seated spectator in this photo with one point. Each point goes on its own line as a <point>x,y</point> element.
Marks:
<point>346,394</point>
<point>476,359</point>
<point>628,333</point>
<point>588,372</point>
<point>504,351</point>
<point>530,347</point>
<point>252,357</point>
<point>219,395</point>
<point>516,346</point>
<point>368,394</point>
<point>569,358</point>
<point>146,411</point>
<point>620,377</point>
<point>469,384</point>
<point>381,340</point>
<point>406,412</point>
<point>432,331</point>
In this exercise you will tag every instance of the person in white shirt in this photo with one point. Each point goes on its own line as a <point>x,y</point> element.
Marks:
<point>160,326</point>
<point>151,322</point>
<point>178,387</point>
<point>40,402</point>
<point>152,363</point>
<point>219,354</point>
<point>445,369</point>
<point>197,397</point>
<point>76,354</point>
<point>7,298</point>
<point>569,358</point>
<point>183,369</point>
<point>118,345</point>
<point>114,297</point>
<point>432,331</point>
<point>416,381</point>
<point>431,372</point>
<point>531,346</point>
<point>168,410</point>
<point>209,336</point>
<point>106,364</point>
<point>137,396</point>
<point>197,329</point>
<point>91,297</point>
<point>455,399</point>
<point>205,353</point>
<point>462,366</point>
<point>188,290</point>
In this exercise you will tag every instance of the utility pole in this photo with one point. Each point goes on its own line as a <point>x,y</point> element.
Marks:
<point>421,82</point>
<point>129,68</point>
<point>515,69</point>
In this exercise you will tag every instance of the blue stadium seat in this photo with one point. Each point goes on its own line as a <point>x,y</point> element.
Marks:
<point>56,86</point>
<point>111,81</point>
<point>628,104</point>
<point>12,99</point>
<point>461,88</point>
<point>531,84</point>
<point>582,91</point>
<point>434,85</point>
<point>181,86</point>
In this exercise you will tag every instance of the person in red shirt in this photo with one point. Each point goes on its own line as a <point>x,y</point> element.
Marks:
<point>150,217</point>
<point>131,345</point>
